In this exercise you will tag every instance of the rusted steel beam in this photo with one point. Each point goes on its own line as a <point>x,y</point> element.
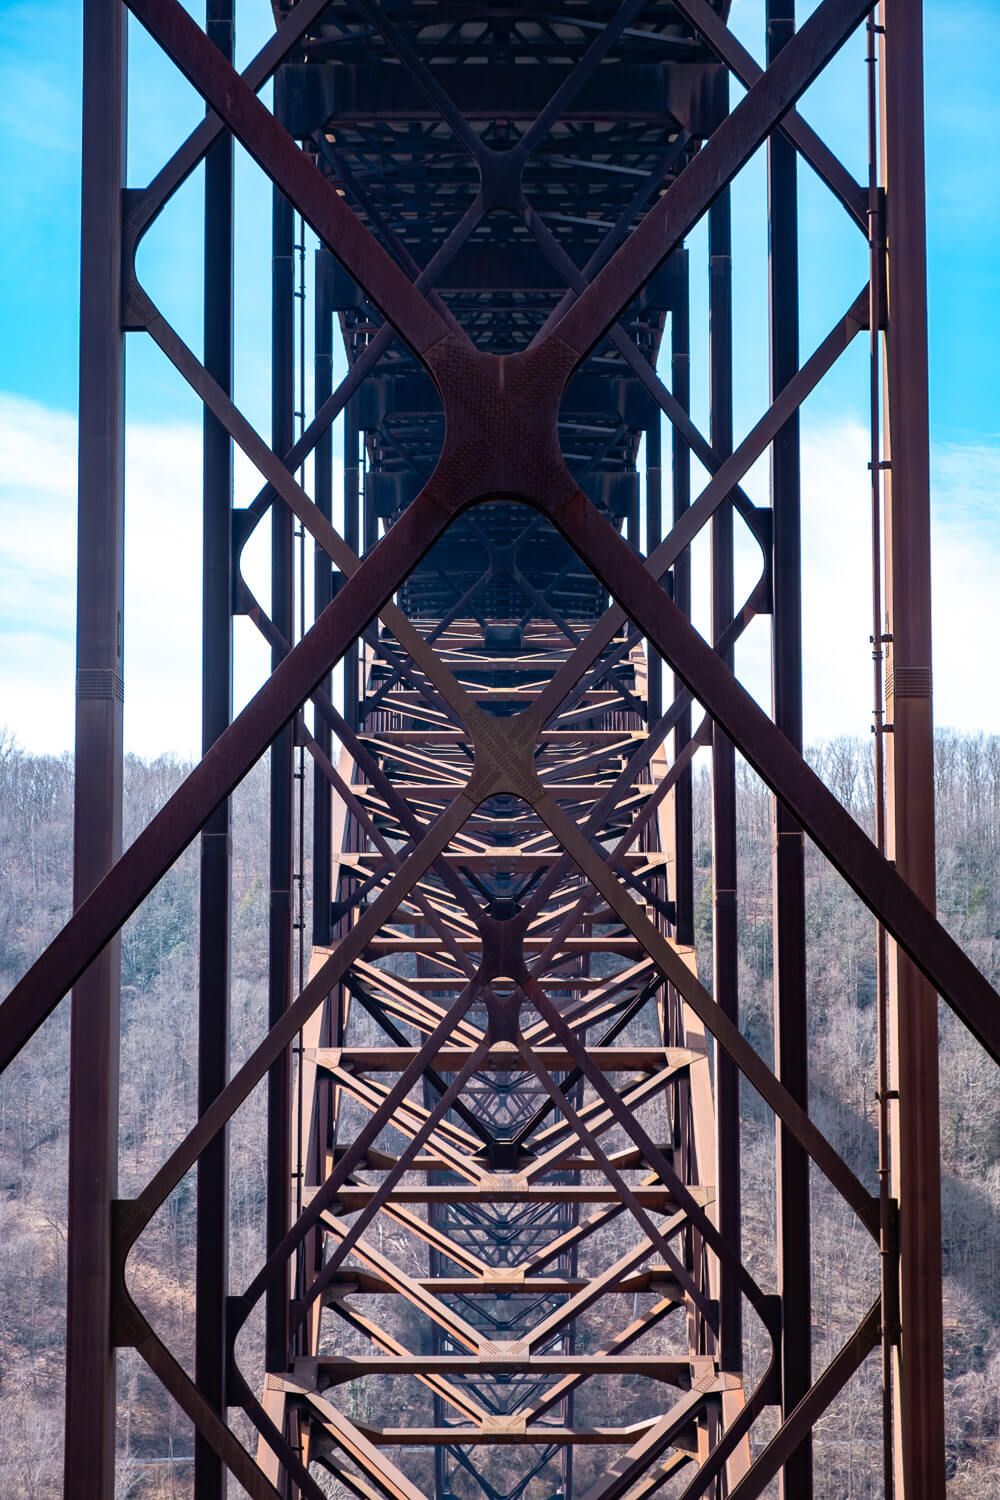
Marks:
<point>501,825</point>
<point>97,808</point>
<point>184,161</point>
<point>336,1369</point>
<point>788,1439</point>
<point>280,768</point>
<point>237,105</point>
<point>513,1434</point>
<point>507,1190</point>
<point>918,1391</point>
<point>322,812</point>
<point>788,904</point>
<point>840,838</point>
<point>725,926</point>
<point>514,858</point>
<point>491,1282</point>
<point>499,1057</point>
<point>689,519</point>
<point>437,737</point>
<point>722,41</point>
<point>767,101</point>
<point>629,947</point>
<point>567,791</point>
<point>215,896</point>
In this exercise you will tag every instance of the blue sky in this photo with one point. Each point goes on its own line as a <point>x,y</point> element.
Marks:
<point>40,160</point>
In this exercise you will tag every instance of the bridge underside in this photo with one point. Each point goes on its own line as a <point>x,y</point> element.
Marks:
<point>506,1254</point>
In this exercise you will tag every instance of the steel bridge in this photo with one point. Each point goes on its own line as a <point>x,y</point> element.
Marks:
<point>504,1246</point>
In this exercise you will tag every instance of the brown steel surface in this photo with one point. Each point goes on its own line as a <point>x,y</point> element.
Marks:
<point>504,1109</point>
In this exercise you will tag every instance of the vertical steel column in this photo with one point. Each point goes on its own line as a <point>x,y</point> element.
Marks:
<point>632,519</point>
<point>282,766</point>
<point>352,495</point>
<point>680,378</point>
<point>725,959</point>
<point>97,826</point>
<point>323,591</point>
<point>915,1163</point>
<point>654,535</point>
<point>791,1044</point>
<point>435,1263</point>
<point>214,933</point>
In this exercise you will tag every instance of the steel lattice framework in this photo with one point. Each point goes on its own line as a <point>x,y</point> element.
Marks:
<point>500,1097</point>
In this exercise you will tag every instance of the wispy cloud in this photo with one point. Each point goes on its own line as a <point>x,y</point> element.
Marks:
<point>836,585</point>
<point>163,597</point>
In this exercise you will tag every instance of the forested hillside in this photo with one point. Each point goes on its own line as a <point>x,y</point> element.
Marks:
<point>159,955</point>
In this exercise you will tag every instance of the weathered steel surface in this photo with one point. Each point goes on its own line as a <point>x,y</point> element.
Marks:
<point>491,1118</point>
<point>95,1019</point>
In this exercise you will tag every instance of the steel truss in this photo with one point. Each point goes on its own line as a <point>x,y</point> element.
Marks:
<point>503,1181</point>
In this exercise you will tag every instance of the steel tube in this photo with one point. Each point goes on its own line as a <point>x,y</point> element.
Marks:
<point>322,872</point>
<point>97,808</point>
<point>281,772</point>
<point>680,380</point>
<point>914,1115</point>
<point>214,941</point>
<point>352,502</point>
<point>725,934</point>
<point>788,859</point>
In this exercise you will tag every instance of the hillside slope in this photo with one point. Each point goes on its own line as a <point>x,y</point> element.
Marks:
<point>159,955</point>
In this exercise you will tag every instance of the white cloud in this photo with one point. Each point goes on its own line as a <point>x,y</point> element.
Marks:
<point>836,581</point>
<point>163,608</point>
<point>966,585</point>
<point>836,586</point>
<point>162,591</point>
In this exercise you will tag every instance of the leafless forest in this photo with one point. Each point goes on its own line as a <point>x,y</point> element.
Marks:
<point>159,950</point>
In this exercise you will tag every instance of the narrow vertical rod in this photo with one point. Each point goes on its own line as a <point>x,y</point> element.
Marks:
<point>632,524</point>
<point>281,770</point>
<point>299,1158</point>
<point>370,516</point>
<point>725,960</point>
<point>214,950</point>
<point>352,495</point>
<point>680,377</point>
<point>654,535</point>
<point>323,593</point>
<point>791,1043</point>
<point>97,812</point>
<point>876,305</point>
<point>919,1376</point>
